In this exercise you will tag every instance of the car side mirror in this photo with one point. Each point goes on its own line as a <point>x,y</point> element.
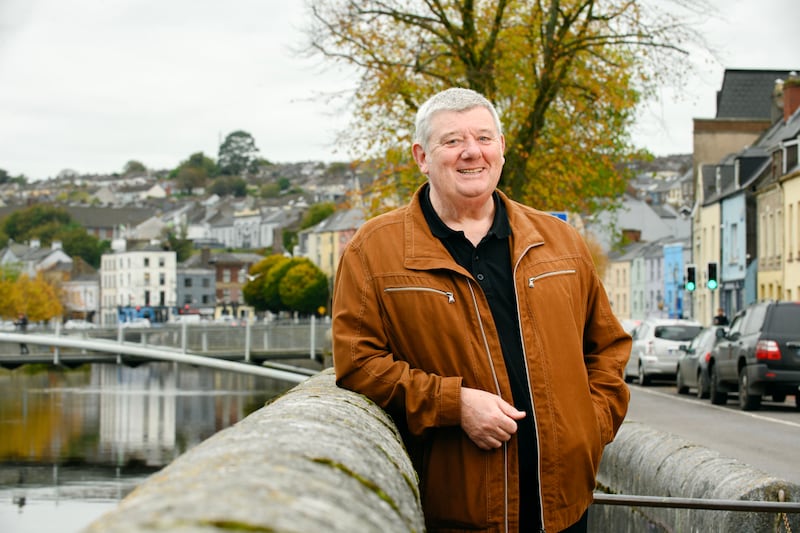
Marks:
<point>721,333</point>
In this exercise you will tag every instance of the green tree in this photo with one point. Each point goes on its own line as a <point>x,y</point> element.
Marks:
<point>254,290</point>
<point>238,154</point>
<point>565,75</point>
<point>317,213</point>
<point>178,243</point>
<point>134,167</point>
<point>77,242</point>
<point>272,280</point>
<point>229,185</point>
<point>304,288</point>
<point>37,221</point>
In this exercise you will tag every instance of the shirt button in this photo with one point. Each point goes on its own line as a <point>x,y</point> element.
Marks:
<point>480,277</point>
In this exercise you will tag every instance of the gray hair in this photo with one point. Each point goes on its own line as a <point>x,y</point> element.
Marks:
<point>454,99</point>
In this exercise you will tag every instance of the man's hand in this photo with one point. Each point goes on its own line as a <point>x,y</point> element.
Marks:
<point>488,419</point>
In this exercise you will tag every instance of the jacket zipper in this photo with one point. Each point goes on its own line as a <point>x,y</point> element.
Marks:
<point>528,376</point>
<point>450,298</point>
<point>532,279</point>
<point>497,389</point>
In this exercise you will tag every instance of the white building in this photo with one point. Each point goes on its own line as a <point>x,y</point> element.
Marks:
<point>138,283</point>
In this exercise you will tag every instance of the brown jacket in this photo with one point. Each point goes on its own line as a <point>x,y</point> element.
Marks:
<point>410,327</point>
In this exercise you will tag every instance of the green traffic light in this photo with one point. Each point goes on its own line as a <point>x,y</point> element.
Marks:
<point>712,284</point>
<point>690,286</point>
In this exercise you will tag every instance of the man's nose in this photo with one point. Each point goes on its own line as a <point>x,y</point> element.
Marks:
<point>471,148</point>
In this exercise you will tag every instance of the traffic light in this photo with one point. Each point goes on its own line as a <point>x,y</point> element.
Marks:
<point>691,278</point>
<point>712,283</point>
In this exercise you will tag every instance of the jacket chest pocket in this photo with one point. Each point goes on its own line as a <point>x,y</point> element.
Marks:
<point>425,321</point>
<point>551,291</point>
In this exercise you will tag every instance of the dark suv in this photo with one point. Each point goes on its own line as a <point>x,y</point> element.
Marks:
<point>758,355</point>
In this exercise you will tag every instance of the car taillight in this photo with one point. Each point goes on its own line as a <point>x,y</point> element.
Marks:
<point>707,358</point>
<point>768,350</point>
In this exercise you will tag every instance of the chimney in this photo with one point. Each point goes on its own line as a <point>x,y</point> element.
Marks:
<point>205,256</point>
<point>791,95</point>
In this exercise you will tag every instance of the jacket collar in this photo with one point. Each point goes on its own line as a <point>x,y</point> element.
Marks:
<point>424,251</point>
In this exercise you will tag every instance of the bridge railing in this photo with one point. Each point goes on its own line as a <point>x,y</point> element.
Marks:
<point>309,337</point>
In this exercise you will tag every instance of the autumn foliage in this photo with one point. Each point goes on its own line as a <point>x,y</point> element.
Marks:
<point>36,297</point>
<point>565,75</point>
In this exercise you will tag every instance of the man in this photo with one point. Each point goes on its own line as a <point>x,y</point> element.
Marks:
<point>482,327</point>
<point>22,326</point>
<point>721,318</point>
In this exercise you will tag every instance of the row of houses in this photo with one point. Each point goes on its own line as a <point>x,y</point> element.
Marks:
<point>745,220</point>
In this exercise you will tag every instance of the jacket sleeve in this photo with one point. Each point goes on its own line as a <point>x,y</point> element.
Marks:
<point>607,348</point>
<point>364,362</point>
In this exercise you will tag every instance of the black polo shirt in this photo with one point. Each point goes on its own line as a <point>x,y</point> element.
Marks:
<point>490,265</point>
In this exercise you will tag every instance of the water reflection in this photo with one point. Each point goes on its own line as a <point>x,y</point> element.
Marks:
<point>85,438</point>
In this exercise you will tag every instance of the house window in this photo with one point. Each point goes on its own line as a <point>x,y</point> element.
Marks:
<point>187,282</point>
<point>206,283</point>
<point>147,278</point>
<point>147,261</point>
<point>162,279</point>
<point>226,276</point>
<point>734,249</point>
<point>241,275</point>
<point>161,261</point>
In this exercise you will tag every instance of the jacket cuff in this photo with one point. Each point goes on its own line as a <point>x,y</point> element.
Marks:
<point>450,401</point>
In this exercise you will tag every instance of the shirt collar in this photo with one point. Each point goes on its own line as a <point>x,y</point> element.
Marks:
<point>500,226</point>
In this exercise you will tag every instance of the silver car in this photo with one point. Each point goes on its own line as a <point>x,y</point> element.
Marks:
<point>656,348</point>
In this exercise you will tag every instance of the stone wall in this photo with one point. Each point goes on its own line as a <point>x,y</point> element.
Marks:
<point>317,458</point>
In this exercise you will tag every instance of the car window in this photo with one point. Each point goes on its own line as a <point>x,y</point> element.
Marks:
<point>677,332</point>
<point>702,339</point>
<point>754,319</point>
<point>641,331</point>
<point>785,319</point>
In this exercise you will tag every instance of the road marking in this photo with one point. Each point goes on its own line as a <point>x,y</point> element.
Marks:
<point>720,407</point>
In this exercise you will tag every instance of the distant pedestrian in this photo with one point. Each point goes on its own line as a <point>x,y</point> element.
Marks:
<point>22,326</point>
<point>720,319</point>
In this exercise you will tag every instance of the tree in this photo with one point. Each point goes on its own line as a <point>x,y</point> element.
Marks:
<point>36,297</point>
<point>272,280</point>
<point>304,287</point>
<point>238,154</point>
<point>77,242</point>
<point>229,185</point>
<point>565,75</point>
<point>316,214</point>
<point>194,172</point>
<point>38,221</point>
<point>254,290</point>
<point>134,167</point>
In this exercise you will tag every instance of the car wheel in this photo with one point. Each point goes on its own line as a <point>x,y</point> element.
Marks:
<point>747,401</point>
<point>718,397</point>
<point>702,385</point>
<point>644,379</point>
<point>682,388</point>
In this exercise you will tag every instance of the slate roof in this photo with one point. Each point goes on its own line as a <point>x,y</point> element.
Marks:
<point>748,94</point>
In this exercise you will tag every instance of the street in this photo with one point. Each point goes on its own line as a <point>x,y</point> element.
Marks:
<point>766,439</point>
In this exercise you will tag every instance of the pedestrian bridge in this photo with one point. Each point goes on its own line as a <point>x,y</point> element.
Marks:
<point>252,349</point>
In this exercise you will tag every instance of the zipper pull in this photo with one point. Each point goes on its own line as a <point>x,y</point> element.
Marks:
<point>530,282</point>
<point>450,298</point>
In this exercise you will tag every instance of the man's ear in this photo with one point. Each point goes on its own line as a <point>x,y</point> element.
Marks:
<point>420,157</point>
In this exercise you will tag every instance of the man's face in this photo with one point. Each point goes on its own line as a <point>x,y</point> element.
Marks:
<point>464,157</point>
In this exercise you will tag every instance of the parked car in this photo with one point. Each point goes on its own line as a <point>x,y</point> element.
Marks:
<point>136,323</point>
<point>79,324</point>
<point>693,362</point>
<point>656,347</point>
<point>759,356</point>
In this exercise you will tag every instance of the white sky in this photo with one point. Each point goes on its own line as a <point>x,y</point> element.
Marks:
<point>88,85</point>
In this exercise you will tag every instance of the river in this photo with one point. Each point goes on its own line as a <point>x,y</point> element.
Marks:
<point>73,443</point>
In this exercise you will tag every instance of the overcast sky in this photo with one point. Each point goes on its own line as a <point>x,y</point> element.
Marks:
<point>88,85</point>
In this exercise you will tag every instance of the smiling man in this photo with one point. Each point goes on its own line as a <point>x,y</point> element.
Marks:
<point>480,325</point>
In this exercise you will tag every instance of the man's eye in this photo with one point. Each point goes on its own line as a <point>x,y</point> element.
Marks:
<point>452,142</point>
<point>485,139</point>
